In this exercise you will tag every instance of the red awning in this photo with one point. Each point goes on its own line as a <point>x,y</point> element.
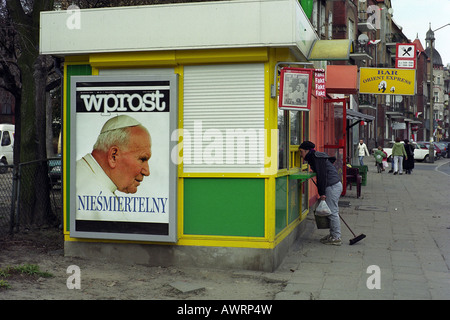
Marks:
<point>342,79</point>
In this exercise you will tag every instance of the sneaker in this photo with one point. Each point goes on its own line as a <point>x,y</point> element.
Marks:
<point>330,240</point>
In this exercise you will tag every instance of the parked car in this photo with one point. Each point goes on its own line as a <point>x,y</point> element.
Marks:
<point>54,170</point>
<point>6,146</point>
<point>426,145</point>
<point>444,148</point>
<point>419,153</point>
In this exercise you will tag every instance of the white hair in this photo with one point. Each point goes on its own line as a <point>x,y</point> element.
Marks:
<point>119,137</point>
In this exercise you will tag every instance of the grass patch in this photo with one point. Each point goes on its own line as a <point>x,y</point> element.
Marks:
<point>25,271</point>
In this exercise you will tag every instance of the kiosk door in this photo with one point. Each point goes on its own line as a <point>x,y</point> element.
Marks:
<point>335,136</point>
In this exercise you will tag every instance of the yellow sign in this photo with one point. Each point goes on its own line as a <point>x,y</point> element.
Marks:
<point>387,81</point>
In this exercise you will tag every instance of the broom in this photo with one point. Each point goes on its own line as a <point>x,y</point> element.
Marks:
<point>356,238</point>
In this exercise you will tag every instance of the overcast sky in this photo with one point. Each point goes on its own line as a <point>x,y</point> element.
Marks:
<point>414,16</point>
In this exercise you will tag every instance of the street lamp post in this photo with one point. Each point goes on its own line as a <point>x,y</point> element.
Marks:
<point>430,37</point>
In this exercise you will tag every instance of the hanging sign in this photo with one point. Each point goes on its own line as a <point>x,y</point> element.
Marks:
<point>319,82</point>
<point>405,57</point>
<point>387,81</point>
<point>295,89</point>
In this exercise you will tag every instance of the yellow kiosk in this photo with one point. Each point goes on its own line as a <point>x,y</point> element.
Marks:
<point>226,186</point>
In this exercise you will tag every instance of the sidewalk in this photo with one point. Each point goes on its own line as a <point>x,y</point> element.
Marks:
<point>407,223</point>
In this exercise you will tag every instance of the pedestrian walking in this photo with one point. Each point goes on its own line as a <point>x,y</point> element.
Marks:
<point>385,160</point>
<point>379,155</point>
<point>408,162</point>
<point>398,152</point>
<point>329,186</point>
<point>361,150</point>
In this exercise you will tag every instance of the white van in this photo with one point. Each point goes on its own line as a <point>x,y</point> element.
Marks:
<point>6,144</point>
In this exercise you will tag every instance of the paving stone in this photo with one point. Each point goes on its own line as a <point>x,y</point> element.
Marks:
<point>186,287</point>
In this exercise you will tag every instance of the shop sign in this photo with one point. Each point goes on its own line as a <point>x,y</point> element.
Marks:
<point>319,82</point>
<point>141,204</point>
<point>398,125</point>
<point>295,89</point>
<point>387,81</point>
<point>405,57</point>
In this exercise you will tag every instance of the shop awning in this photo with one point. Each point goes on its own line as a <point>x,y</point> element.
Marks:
<point>355,115</point>
<point>331,50</point>
<point>342,79</point>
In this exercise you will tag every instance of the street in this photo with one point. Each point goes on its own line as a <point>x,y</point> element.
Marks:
<point>444,167</point>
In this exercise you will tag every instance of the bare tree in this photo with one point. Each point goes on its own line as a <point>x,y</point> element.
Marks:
<point>25,74</point>
<point>29,71</point>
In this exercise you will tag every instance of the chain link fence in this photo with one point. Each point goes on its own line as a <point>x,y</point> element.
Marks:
<point>6,196</point>
<point>30,195</point>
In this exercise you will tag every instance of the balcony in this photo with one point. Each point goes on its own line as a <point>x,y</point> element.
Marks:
<point>360,52</point>
<point>365,26</point>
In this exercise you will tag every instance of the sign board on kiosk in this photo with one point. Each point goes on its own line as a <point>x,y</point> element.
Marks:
<point>137,202</point>
<point>295,89</point>
<point>387,81</point>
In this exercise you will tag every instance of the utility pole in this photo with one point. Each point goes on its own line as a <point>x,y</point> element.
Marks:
<point>430,37</point>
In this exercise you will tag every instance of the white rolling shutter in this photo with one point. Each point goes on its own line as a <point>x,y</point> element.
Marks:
<point>224,118</point>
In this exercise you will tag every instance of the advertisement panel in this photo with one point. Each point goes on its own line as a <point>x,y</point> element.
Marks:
<point>122,179</point>
<point>387,81</point>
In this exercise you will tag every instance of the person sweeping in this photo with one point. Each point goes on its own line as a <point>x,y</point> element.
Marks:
<point>329,187</point>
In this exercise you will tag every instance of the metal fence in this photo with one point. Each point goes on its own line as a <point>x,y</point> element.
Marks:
<point>30,195</point>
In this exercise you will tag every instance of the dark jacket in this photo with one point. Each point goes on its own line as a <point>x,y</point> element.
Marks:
<point>408,164</point>
<point>326,173</point>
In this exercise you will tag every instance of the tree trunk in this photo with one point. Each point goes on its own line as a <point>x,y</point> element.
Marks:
<point>34,193</point>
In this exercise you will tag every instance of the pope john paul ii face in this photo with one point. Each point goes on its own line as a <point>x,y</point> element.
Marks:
<point>132,161</point>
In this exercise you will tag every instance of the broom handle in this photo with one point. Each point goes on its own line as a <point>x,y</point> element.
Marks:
<point>347,226</point>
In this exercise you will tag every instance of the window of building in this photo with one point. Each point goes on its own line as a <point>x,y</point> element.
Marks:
<point>330,25</point>
<point>322,19</point>
<point>351,29</point>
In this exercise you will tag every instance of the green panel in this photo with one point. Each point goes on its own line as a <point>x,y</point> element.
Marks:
<point>307,6</point>
<point>224,207</point>
<point>72,70</point>
<point>294,199</point>
<point>280,204</point>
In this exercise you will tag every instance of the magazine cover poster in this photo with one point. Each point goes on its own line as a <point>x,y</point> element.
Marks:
<point>295,89</point>
<point>123,183</point>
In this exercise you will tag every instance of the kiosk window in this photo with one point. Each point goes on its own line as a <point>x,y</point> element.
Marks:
<point>294,117</point>
<point>282,139</point>
<point>292,130</point>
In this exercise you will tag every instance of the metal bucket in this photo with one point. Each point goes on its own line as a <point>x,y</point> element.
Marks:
<point>322,222</point>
